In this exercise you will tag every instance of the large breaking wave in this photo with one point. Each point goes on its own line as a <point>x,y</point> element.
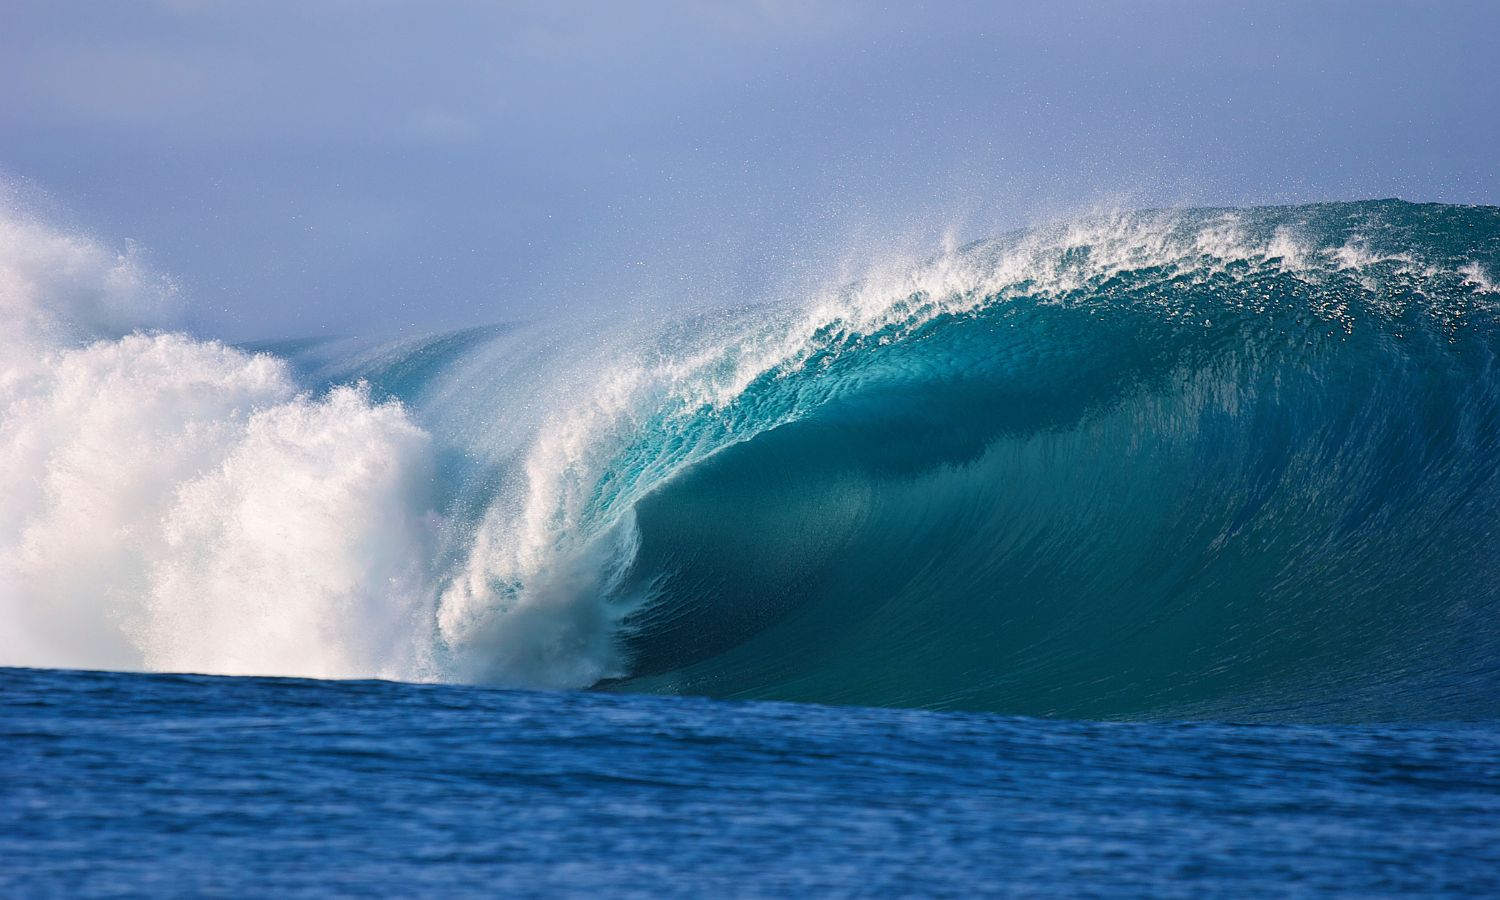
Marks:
<point>1227,463</point>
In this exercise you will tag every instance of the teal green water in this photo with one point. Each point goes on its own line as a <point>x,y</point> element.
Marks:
<point>1217,463</point>
<point>1161,494</point>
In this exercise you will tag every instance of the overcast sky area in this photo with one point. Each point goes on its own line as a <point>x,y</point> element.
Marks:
<point>375,166</point>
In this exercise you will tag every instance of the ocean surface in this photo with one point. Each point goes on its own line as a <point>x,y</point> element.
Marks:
<point>172,784</point>
<point>1154,551</point>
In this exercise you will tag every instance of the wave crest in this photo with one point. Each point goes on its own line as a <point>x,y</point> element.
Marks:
<point>1230,463</point>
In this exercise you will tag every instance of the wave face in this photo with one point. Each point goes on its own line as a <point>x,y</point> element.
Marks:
<point>1214,463</point>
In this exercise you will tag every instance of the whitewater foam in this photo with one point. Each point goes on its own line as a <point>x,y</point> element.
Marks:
<point>58,287</point>
<point>179,504</point>
<point>1476,278</point>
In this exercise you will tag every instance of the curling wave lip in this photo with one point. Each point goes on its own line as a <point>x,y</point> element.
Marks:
<point>1228,463</point>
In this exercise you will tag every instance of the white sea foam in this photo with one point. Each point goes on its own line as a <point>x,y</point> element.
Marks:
<point>172,503</point>
<point>304,550</point>
<point>1476,279</point>
<point>58,288</point>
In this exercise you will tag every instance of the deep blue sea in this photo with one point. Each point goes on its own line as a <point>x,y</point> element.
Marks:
<point>1152,553</point>
<point>169,785</point>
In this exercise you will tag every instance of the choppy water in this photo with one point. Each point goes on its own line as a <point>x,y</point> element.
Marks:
<point>150,784</point>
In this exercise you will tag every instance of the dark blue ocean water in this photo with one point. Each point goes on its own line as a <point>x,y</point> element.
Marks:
<point>120,785</point>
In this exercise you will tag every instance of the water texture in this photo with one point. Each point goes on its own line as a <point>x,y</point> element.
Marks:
<point>188,785</point>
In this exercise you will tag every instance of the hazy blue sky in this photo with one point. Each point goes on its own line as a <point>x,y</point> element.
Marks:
<point>370,165</point>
